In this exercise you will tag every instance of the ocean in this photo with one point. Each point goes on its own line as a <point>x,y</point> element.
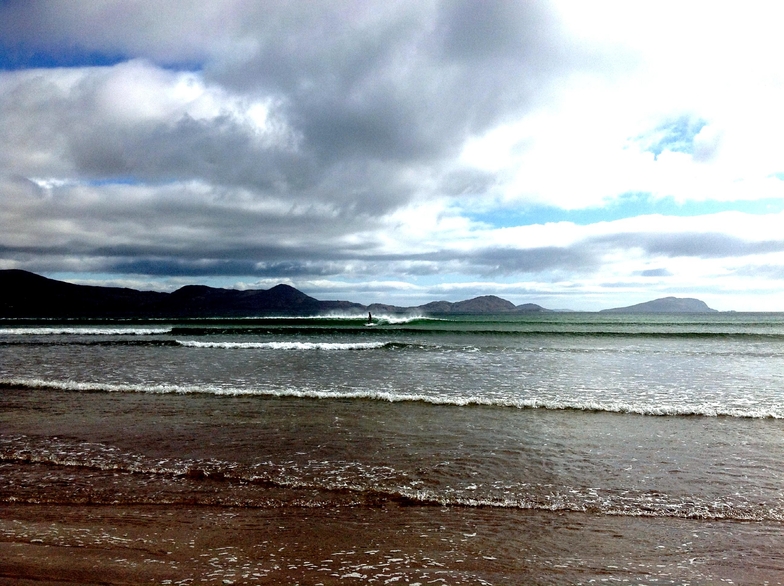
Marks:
<point>552,448</point>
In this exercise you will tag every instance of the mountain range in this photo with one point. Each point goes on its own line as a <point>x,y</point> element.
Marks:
<point>25,294</point>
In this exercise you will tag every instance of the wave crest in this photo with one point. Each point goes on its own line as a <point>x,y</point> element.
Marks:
<point>83,331</point>
<point>284,345</point>
<point>703,410</point>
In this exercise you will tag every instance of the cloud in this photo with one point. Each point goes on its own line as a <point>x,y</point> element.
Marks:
<point>355,78</point>
<point>173,31</point>
<point>317,125</point>
<point>572,259</point>
<point>351,104</point>
<point>405,142</point>
<point>655,273</point>
<point>698,244</point>
<point>677,136</point>
<point>766,271</point>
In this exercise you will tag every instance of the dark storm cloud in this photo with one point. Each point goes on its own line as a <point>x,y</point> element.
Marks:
<point>369,90</point>
<point>180,267</point>
<point>588,256</point>
<point>402,82</point>
<point>467,182</point>
<point>497,261</point>
<point>366,102</point>
<point>219,151</point>
<point>399,80</point>
<point>505,261</point>
<point>169,222</point>
<point>695,244</point>
<point>171,31</point>
<point>70,129</point>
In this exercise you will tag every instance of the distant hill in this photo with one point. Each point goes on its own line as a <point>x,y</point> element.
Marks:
<point>484,304</point>
<point>531,308</point>
<point>665,305</point>
<point>25,294</point>
<point>478,305</point>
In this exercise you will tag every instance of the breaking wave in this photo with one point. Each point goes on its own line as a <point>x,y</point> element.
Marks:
<point>647,409</point>
<point>286,345</point>
<point>83,331</point>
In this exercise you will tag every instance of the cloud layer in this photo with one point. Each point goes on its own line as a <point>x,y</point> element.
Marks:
<point>380,151</point>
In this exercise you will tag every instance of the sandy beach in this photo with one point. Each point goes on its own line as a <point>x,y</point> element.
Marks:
<point>98,544</point>
<point>181,545</point>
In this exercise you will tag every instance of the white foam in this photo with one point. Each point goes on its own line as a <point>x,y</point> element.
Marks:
<point>609,504</point>
<point>284,345</point>
<point>83,331</point>
<point>390,482</point>
<point>403,319</point>
<point>704,410</point>
<point>382,318</point>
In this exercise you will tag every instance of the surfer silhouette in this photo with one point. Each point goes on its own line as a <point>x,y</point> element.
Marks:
<point>370,318</point>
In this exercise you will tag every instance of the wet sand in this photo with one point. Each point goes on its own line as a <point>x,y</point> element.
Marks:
<point>387,544</point>
<point>124,488</point>
<point>180,545</point>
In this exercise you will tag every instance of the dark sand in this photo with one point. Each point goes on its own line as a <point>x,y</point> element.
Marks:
<point>386,544</point>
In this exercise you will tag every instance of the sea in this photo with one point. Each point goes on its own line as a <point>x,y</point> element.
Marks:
<point>548,448</point>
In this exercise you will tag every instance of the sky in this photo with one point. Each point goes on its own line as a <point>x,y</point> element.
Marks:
<point>578,155</point>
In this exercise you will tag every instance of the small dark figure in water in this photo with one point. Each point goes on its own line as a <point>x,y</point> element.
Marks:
<point>370,318</point>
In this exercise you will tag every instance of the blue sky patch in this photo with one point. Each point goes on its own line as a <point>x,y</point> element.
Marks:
<point>15,58</point>
<point>676,136</point>
<point>626,206</point>
<point>20,57</point>
<point>124,180</point>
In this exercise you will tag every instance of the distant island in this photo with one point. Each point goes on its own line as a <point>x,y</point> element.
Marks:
<point>665,305</point>
<point>25,294</point>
